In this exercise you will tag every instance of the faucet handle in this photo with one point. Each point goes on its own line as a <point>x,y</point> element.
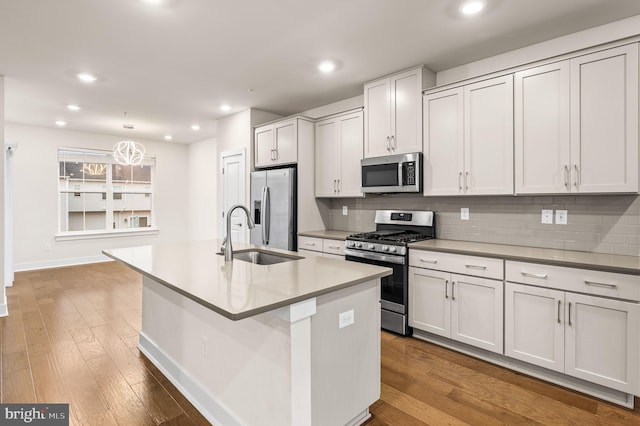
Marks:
<point>224,245</point>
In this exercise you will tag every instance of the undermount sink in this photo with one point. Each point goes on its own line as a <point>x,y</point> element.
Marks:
<point>261,257</point>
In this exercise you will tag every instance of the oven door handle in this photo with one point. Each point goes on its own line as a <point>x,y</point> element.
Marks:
<point>399,260</point>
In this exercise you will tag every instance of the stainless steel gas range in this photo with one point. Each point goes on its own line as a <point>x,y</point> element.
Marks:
<point>387,246</point>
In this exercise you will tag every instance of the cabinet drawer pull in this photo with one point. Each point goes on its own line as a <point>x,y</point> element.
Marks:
<point>481,267</point>
<point>597,284</point>
<point>432,261</point>
<point>529,274</point>
<point>559,303</point>
<point>334,247</point>
<point>310,244</point>
<point>446,289</point>
<point>569,313</point>
<point>453,290</point>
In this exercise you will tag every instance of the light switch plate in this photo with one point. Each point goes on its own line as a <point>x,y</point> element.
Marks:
<point>346,318</point>
<point>464,213</point>
<point>547,216</point>
<point>562,217</point>
<point>345,210</point>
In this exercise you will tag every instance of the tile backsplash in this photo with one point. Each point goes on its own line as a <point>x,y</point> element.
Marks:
<point>596,223</point>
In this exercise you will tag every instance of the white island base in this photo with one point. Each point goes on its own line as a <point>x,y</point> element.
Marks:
<point>290,366</point>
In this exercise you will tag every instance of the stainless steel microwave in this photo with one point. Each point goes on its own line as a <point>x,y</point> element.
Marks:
<point>392,173</point>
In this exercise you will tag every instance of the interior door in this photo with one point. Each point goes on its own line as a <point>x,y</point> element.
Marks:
<point>233,192</point>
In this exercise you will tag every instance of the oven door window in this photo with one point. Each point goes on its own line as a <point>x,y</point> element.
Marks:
<point>380,175</point>
<point>393,288</point>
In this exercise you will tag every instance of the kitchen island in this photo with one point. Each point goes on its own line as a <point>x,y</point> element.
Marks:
<point>291,343</point>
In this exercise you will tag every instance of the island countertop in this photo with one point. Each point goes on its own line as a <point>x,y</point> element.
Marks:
<point>240,289</point>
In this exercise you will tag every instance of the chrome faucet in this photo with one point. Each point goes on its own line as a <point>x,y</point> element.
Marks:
<point>226,248</point>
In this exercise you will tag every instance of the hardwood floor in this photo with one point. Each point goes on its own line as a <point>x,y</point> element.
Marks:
<point>71,337</point>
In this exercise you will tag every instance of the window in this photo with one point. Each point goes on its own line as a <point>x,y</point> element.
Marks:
<point>99,195</point>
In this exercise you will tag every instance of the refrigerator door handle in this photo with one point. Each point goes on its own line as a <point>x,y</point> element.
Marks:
<point>266,215</point>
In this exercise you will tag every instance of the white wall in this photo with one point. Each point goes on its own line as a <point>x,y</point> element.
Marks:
<point>35,196</point>
<point>336,107</point>
<point>3,297</point>
<point>203,189</point>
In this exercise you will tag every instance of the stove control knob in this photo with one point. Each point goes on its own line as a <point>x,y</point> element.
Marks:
<point>358,245</point>
<point>385,248</point>
<point>372,246</point>
<point>392,249</point>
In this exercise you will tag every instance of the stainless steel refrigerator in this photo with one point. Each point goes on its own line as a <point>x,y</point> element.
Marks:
<point>273,208</point>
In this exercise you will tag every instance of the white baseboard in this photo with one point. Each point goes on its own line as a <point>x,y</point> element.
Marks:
<point>59,263</point>
<point>4,311</point>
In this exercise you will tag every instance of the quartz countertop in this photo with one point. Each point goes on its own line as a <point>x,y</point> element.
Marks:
<point>574,259</point>
<point>240,289</point>
<point>327,233</point>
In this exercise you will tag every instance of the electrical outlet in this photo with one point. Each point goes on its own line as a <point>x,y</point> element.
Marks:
<point>464,213</point>
<point>346,318</point>
<point>547,216</point>
<point>561,217</point>
<point>345,210</point>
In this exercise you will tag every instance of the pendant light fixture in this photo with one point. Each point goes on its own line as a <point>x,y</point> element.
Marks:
<point>128,153</point>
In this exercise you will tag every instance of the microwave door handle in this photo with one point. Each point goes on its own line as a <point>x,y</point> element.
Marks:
<point>400,167</point>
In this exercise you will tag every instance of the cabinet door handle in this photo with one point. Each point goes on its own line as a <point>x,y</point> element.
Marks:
<point>559,303</point>
<point>446,289</point>
<point>334,186</point>
<point>466,181</point>
<point>576,182</point>
<point>433,261</point>
<point>453,290</point>
<point>481,267</point>
<point>338,185</point>
<point>388,143</point>
<point>528,274</point>
<point>569,313</point>
<point>394,146</point>
<point>597,284</point>
<point>460,180</point>
<point>275,154</point>
<point>566,176</point>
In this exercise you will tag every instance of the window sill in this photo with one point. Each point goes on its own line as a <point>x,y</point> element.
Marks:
<point>90,235</point>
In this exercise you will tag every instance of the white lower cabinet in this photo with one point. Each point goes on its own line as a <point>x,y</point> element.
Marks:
<point>464,308</point>
<point>325,247</point>
<point>585,336</point>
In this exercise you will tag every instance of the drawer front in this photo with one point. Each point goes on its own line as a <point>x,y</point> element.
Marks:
<point>310,243</point>
<point>609,284</point>
<point>333,247</point>
<point>469,265</point>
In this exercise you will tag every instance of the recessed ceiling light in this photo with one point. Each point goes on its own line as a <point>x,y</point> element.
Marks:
<point>86,77</point>
<point>471,7</point>
<point>327,66</point>
<point>225,107</point>
<point>195,127</point>
<point>72,107</point>
<point>61,123</point>
<point>168,137</point>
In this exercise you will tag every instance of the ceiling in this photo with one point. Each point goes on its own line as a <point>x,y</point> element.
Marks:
<point>172,64</point>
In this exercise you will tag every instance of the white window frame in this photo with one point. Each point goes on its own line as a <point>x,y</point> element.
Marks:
<point>107,158</point>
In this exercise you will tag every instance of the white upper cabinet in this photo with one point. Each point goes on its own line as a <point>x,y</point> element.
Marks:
<point>276,143</point>
<point>604,121</point>
<point>393,113</point>
<point>576,124</point>
<point>468,139</point>
<point>339,144</point>
<point>542,141</point>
